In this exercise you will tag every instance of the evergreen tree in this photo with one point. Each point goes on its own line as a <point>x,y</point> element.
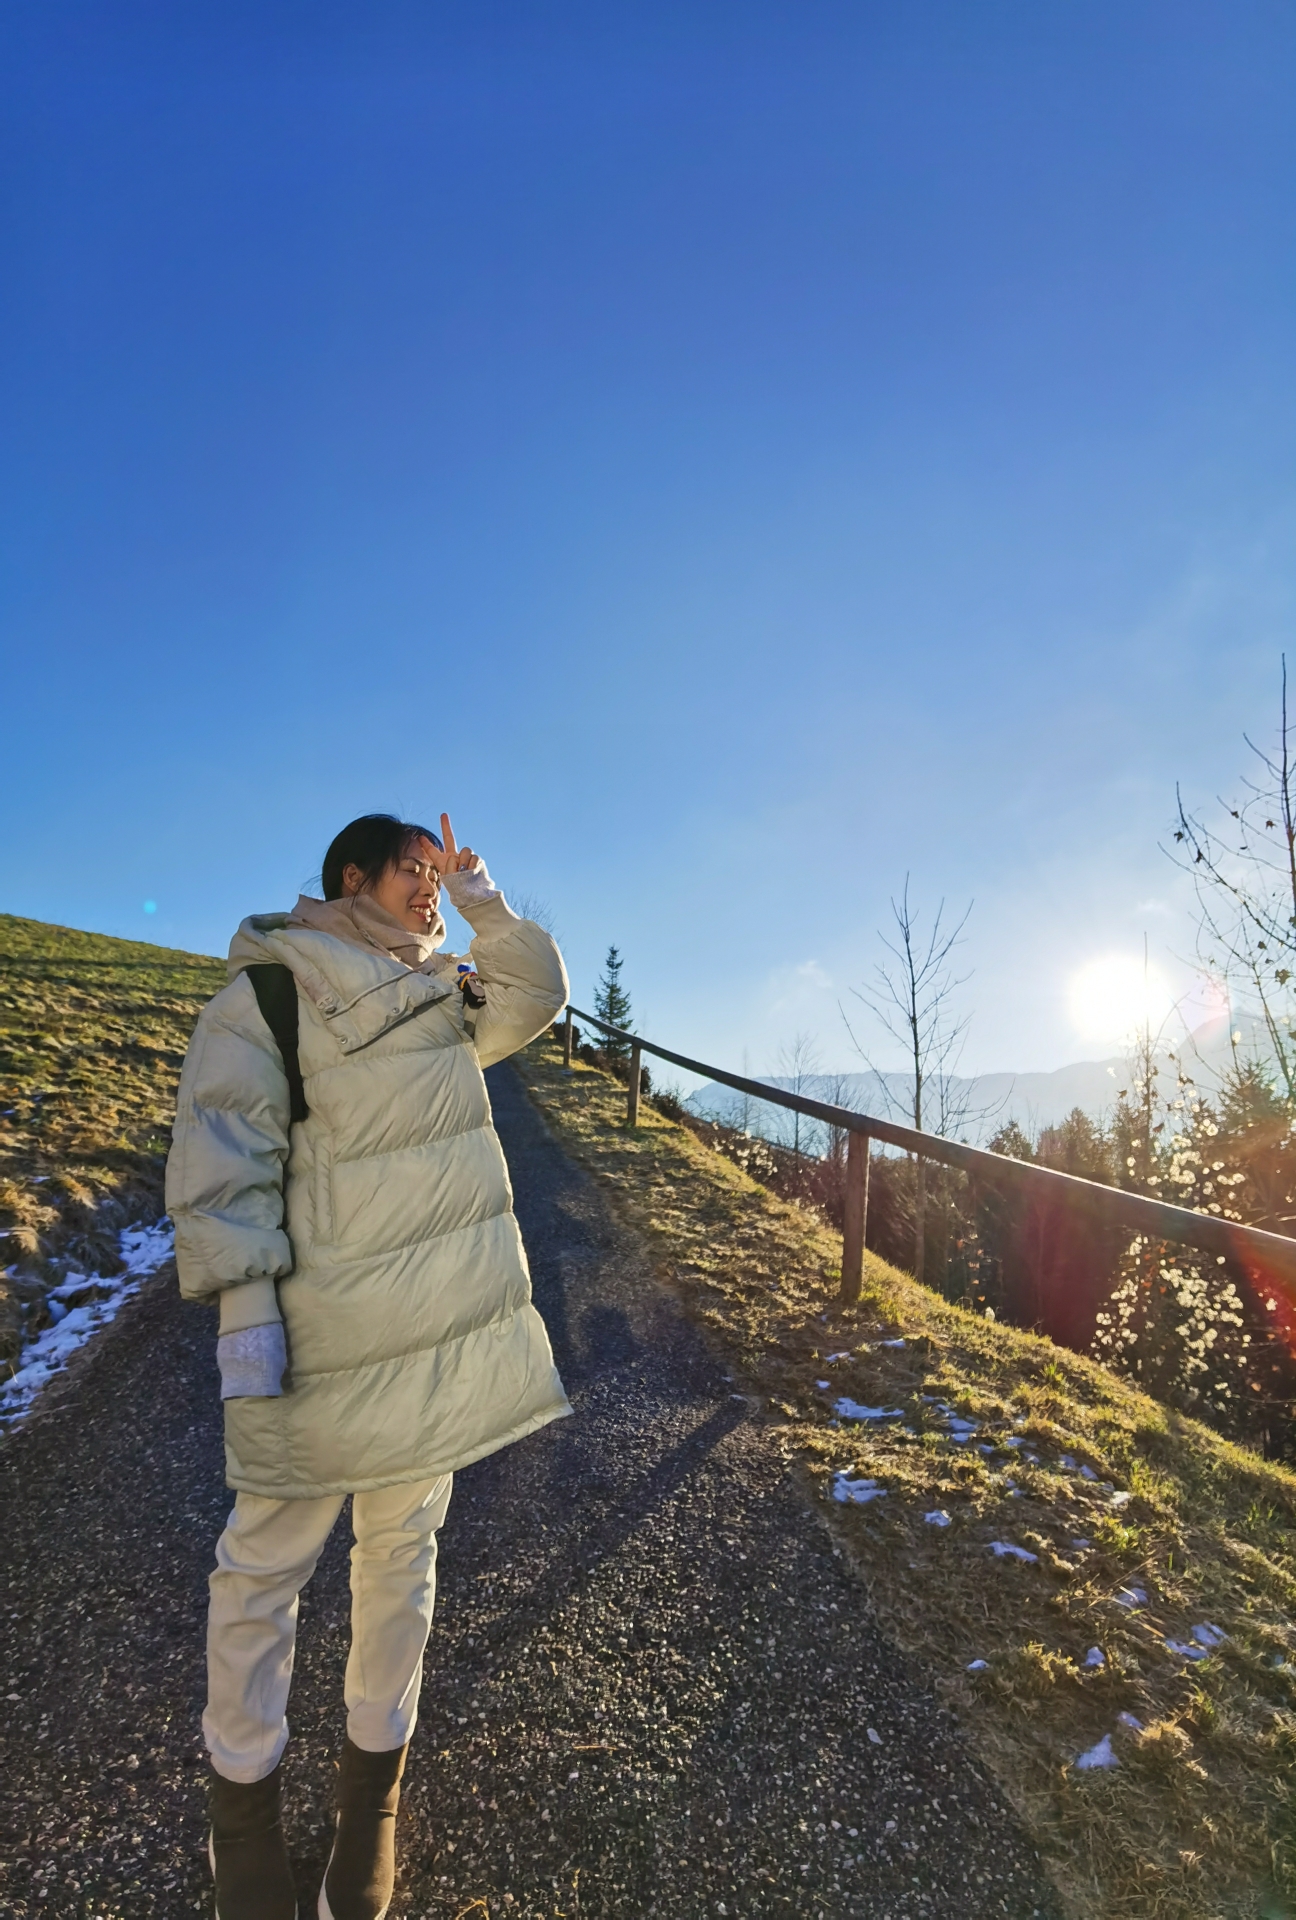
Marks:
<point>1075,1145</point>
<point>612,1003</point>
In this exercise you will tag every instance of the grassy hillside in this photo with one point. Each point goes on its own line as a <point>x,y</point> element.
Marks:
<point>1139,1527</point>
<point>92,1036</point>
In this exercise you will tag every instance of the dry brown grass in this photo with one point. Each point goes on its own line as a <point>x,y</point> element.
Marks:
<point>92,1037</point>
<point>1199,1819</point>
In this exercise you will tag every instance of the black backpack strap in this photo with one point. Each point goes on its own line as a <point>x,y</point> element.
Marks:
<point>276,992</point>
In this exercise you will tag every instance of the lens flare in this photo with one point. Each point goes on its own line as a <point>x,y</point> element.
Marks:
<point>1112,998</point>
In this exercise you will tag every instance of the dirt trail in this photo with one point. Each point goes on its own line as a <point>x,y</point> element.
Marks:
<point>650,1685</point>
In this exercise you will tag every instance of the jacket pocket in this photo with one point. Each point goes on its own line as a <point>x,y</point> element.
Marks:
<point>323,1193</point>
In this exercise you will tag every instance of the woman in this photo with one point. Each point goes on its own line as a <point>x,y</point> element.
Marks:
<point>376,1327</point>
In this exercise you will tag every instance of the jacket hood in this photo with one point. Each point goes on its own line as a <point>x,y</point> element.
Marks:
<point>359,991</point>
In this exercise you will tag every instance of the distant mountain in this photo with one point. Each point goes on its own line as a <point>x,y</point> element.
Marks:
<point>990,1100</point>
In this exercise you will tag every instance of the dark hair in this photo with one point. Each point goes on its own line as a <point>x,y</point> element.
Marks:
<point>375,843</point>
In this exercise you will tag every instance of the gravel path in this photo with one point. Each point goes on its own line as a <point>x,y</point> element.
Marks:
<point>651,1684</point>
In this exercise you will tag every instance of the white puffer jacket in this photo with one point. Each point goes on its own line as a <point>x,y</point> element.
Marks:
<point>383,1229</point>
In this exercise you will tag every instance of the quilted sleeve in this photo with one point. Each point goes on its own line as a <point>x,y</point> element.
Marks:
<point>224,1178</point>
<point>518,964</point>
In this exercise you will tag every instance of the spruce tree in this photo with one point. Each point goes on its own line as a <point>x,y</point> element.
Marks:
<point>612,1003</point>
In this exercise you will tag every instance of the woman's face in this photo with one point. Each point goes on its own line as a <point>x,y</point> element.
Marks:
<point>407,891</point>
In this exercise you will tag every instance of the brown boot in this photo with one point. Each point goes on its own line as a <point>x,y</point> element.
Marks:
<point>362,1866</point>
<point>249,1860</point>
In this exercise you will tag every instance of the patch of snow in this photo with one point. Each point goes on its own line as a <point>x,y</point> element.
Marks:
<point>1004,1550</point>
<point>937,1519</point>
<point>1068,1462</point>
<point>1082,1543</point>
<point>98,1299</point>
<point>1129,1597</point>
<point>891,1343</point>
<point>859,1492</point>
<point>823,1385</point>
<point>1130,1722</point>
<point>958,1428</point>
<point>1099,1756</point>
<point>1207,1635</point>
<point>1186,1652</point>
<point>1087,1473</point>
<point>1119,1500</point>
<point>1095,1658</point>
<point>874,1736</point>
<point>831,1359</point>
<point>978,1666</point>
<point>853,1410</point>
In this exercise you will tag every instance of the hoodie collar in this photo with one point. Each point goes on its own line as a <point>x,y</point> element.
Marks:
<point>359,990</point>
<point>361,920</point>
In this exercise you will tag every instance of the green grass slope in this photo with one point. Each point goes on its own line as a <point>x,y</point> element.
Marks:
<point>1138,1526</point>
<point>92,1035</point>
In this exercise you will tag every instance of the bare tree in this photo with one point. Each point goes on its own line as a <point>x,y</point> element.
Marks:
<point>745,1116</point>
<point>740,1111</point>
<point>529,906</point>
<point>836,1091</point>
<point>911,997</point>
<point>1245,876</point>
<point>800,1063</point>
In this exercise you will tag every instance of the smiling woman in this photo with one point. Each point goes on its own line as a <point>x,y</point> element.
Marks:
<point>1112,998</point>
<point>376,1326</point>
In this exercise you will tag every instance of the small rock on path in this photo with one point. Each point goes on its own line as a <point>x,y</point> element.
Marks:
<point>650,1684</point>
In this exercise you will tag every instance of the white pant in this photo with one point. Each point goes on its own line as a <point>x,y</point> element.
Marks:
<point>264,1558</point>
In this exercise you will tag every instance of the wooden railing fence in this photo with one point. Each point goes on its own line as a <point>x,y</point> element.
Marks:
<point>1268,1258</point>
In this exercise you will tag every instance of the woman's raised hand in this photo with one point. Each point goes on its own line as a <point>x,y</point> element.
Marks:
<point>454,859</point>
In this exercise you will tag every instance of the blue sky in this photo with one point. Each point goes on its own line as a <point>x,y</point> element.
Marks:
<point>731,456</point>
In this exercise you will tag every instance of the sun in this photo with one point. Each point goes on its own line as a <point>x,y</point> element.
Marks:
<point>1110,999</point>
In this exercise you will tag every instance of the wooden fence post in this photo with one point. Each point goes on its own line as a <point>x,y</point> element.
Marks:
<point>854,1217</point>
<point>632,1104</point>
<point>567,1039</point>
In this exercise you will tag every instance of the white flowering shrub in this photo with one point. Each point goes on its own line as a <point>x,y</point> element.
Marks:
<point>1184,1323</point>
<point>1178,1325</point>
